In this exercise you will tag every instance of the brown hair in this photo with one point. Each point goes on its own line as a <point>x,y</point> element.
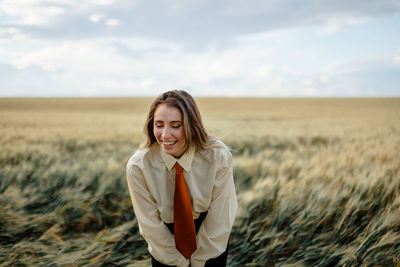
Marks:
<point>195,133</point>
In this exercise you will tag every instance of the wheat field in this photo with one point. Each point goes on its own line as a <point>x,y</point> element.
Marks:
<point>317,180</point>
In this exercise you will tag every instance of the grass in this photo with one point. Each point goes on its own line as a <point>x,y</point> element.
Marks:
<point>317,180</point>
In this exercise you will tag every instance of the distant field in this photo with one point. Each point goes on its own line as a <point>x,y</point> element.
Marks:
<point>318,180</point>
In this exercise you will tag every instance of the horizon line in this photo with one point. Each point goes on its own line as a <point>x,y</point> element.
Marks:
<point>205,96</point>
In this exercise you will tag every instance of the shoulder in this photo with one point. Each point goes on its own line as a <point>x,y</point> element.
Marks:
<point>142,157</point>
<point>216,150</point>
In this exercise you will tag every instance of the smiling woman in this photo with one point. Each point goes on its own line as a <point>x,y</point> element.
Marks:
<point>168,130</point>
<point>181,186</point>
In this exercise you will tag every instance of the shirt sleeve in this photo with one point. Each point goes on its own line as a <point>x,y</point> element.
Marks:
<point>160,241</point>
<point>213,235</point>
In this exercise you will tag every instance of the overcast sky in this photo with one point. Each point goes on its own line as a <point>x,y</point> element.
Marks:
<point>296,48</point>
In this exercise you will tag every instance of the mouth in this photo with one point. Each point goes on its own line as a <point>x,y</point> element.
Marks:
<point>168,144</point>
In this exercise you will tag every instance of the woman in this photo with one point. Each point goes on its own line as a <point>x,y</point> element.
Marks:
<point>181,186</point>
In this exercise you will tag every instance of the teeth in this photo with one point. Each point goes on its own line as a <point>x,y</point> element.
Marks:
<point>168,143</point>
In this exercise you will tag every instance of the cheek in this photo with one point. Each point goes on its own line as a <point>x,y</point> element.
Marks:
<point>181,134</point>
<point>156,132</point>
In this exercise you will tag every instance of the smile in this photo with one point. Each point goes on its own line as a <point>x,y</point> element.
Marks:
<point>169,143</point>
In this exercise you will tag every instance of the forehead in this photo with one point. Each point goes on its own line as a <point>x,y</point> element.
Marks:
<point>166,112</point>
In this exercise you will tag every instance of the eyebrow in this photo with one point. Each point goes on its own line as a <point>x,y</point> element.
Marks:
<point>169,122</point>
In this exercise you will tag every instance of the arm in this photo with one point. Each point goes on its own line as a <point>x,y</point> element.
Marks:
<point>214,232</point>
<point>160,241</point>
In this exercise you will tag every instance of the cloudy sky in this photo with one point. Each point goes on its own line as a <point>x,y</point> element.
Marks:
<point>276,48</point>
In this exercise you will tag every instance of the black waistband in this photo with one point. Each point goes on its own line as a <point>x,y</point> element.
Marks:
<point>197,223</point>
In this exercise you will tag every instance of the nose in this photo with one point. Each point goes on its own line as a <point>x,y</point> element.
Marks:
<point>166,133</point>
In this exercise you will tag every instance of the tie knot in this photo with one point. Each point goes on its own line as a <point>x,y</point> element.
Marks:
<point>178,168</point>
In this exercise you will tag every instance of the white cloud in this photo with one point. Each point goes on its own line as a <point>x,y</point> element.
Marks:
<point>41,12</point>
<point>129,66</point>
<point>101,17</point>
<point>264,71</point>
<point>96,18</point>
<point>96,67</point>
<point>323,79</point>
<point>31,12</point>
<point>100,2</point>
<point>239,49</point>
<point>112,22</point>
<point>72,56</point>
<point>12,33</point>
<point>308,81</point>
<point>276,36</point>
<point>335,24</point>
<point>397,57</point>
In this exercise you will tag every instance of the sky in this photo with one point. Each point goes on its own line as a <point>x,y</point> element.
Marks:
<point>272,48</point>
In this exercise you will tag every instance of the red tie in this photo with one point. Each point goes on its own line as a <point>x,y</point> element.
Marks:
<point>185,233</point>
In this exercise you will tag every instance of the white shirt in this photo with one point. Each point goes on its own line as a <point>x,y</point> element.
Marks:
<point>209,177</point>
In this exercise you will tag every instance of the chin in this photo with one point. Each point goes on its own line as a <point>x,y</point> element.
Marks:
<point>173,151</point>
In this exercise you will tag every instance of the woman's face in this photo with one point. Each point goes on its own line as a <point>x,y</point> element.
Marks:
<point>168,130</point>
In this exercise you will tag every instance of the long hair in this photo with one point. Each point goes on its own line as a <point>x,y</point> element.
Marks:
<point>195,133</point>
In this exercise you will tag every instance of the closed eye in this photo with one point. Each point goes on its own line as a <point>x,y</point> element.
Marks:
<point>158,125</point>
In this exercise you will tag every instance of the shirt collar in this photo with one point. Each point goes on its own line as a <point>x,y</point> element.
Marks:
<point>185,160</point>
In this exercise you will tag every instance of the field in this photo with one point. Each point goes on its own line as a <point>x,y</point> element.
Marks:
<point>318,180</point>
